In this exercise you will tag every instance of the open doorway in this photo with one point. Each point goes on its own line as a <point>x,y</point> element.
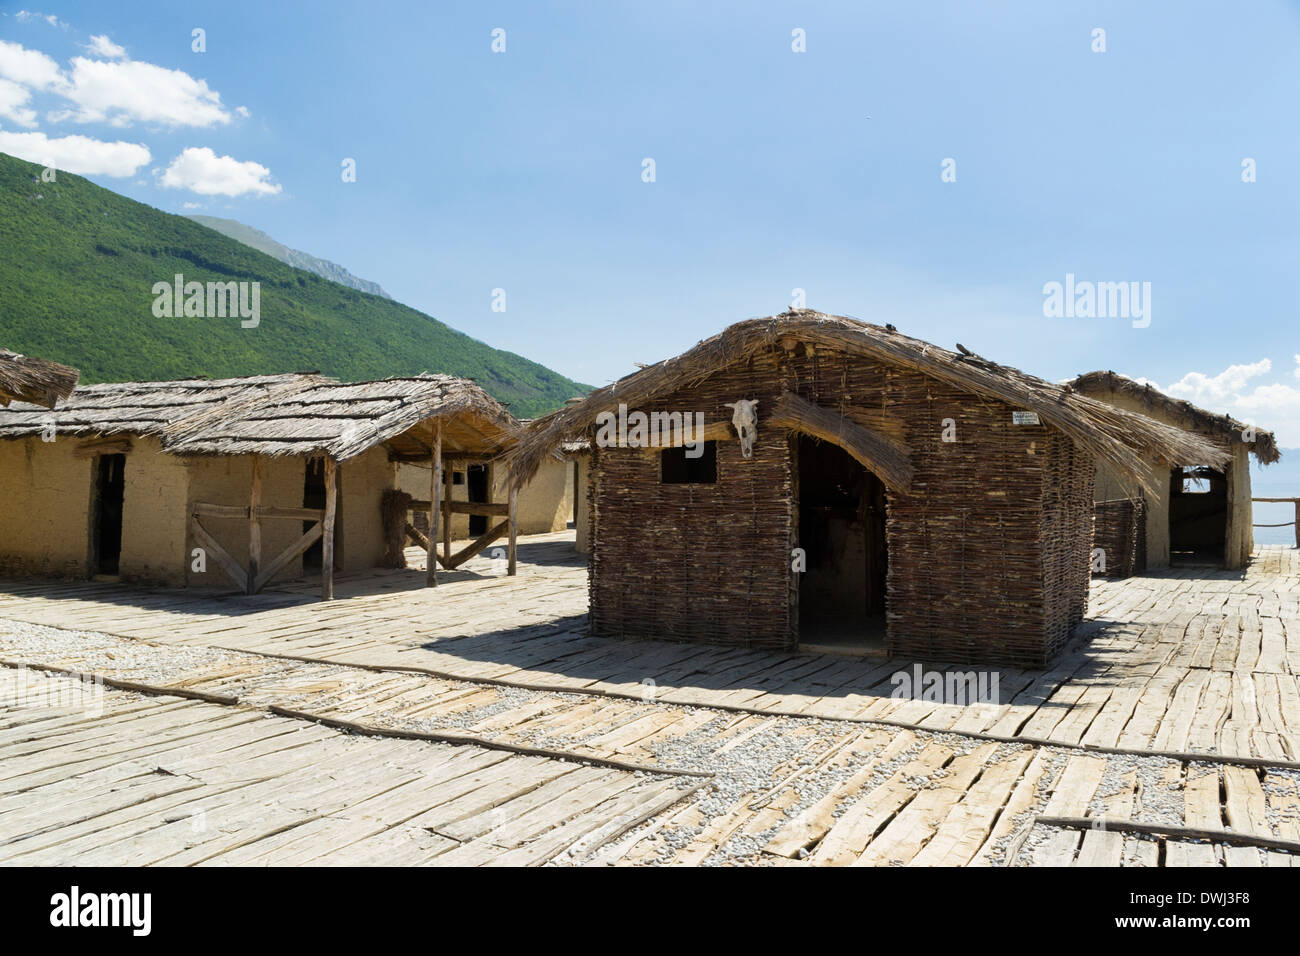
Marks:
<point>106,514</point>
<point>1198,516</point>
<point>842,532</point>
<point>476,489</point>
<point>313,496</point>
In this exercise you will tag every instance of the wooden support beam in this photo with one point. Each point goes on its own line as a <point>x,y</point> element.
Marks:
<point>327,546</point>
<point>298,514</point>
<point>205,510</point>
<point>214,550</point>
<point>514,528</point>
<point>490,509</point>
<point>102,446</point>
<point>479,544</point>
<point>435,507</point>
<point>254,524</point>
<point>446,516</point>
<point>288,554</point>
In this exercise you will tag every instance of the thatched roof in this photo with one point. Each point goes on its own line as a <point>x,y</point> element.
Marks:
<point>1123,440</point>
<point>33,380</point>
<point>280,415</point>
<point>1183,413</point>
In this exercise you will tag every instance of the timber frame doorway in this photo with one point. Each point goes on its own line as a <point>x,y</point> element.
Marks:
<point>1198,517</point>
<point>841,519</point>
<point>106,515</point>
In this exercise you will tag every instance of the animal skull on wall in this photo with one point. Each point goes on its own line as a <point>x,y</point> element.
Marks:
<point>744,417</point>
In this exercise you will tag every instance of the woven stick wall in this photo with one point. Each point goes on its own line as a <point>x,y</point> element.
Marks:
<point>695,562</point>
<point>1120,531</point>
<point>988,549</point>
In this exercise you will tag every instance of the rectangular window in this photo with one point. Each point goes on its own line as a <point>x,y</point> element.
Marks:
<point>675,468</point>
<point>458,477</point>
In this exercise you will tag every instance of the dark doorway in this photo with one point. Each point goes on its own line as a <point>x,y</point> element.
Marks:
<point>313,496</point>
<point>1198,516</point>
<point>842,532</point>
<point>106,533</point>
<point>577,490</point>
<point>476,481</point>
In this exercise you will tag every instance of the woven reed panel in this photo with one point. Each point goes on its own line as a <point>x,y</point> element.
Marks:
<point>1120,530</point>
<point>705,563</point>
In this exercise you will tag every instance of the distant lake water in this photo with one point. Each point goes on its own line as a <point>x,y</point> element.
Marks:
<point>1278,480</point>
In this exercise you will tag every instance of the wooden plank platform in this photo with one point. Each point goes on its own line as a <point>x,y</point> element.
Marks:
<point>812,767</point>
<point>162,781</point>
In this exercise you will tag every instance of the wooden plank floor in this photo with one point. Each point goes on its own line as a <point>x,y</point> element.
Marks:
<point>1199,661</point>
<point>1174,662</point>
<point>140,780</point>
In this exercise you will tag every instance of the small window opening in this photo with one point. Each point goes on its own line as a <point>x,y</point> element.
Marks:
<point>458,477</point>
<point>677,468</point>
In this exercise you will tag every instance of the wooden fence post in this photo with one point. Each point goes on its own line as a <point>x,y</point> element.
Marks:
<point>327,545</point>
<point>435,506</point>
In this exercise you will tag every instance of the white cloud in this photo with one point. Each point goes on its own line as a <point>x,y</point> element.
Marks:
<point>130,91</point>
<point>117,91</point>
<point>13,103</point>
<point>200,170</point>
<point>28,16</point>
<point>76,154</point>
<point>1272,406</point>
<point>28,67</point>
<point>1205,390</point>
<point>101,45</point>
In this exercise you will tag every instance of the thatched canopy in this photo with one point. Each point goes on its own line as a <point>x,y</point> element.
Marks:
<point>34,381</point>
<point>1223,427</point>
<point>282,415</point>
<point>1123,440</point>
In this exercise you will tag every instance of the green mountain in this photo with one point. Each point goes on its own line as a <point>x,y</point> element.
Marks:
<point>294,257</point>
<point>78,265</point>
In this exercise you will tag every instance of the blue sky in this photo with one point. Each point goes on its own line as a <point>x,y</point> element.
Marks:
<point>775,170</point>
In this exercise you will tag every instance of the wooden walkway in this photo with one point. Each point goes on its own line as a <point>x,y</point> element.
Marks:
<point>1182,661</point>
<point>813,761</point>
<point>143,780</point>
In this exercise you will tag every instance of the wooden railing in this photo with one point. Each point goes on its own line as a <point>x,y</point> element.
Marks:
<point>1283,524</point>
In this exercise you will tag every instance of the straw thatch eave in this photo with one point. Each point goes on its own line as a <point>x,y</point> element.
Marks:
<point>342,420</point>
<point>1125,441</point>
<point>33,380</point>
<point>298,414</point>
<point>1183,413</point>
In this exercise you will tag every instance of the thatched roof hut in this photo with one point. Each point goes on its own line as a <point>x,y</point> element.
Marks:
<point>1118,438</point>
<point>33,380</point>
<point>897,495</point>
<point>1181,412</point>
<point>1200,510</point>
<point>266,420</point>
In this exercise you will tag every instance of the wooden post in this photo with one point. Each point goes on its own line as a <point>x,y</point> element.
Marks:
<point>254,526</point>
<point>327,543</point>
<point>446,514</point>
<point>514,528</point>
<point>435,506</point>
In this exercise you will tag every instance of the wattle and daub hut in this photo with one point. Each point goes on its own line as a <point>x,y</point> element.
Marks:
<point>257,477</point>
<point>1199,513</point>
<point>930,499</point>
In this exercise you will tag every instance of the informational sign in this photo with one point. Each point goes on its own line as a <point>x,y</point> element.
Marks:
<point>1024,418</point>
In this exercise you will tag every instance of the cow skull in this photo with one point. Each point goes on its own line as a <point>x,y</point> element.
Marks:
<point>744,417</point>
